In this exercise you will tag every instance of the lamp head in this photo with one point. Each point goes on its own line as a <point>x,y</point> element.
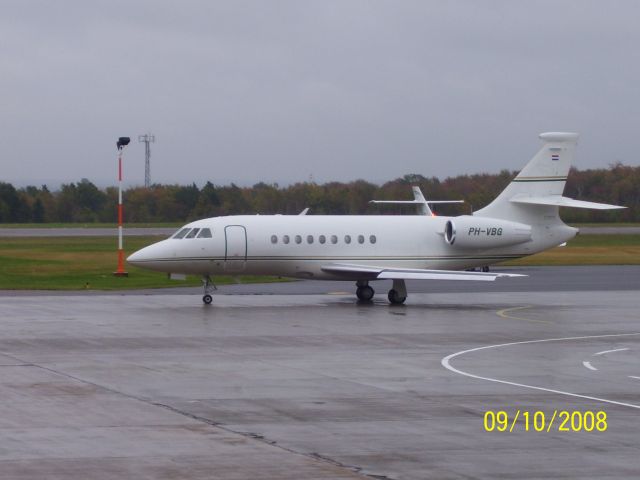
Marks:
<point>123,142</point>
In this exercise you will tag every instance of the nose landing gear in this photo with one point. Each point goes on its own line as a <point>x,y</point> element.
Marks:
<point>209,288</point>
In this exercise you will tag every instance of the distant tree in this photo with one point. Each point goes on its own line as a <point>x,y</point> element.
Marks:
<point>38,211</point>
<point>13,208</point>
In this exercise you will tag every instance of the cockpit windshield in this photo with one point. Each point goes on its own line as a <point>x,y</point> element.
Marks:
<point>192,233</point>
<point>181,233</point>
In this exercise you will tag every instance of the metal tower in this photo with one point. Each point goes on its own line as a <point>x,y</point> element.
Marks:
<point>147,138</point>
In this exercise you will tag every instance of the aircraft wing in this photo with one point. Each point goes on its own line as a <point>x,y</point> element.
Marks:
<point>366,272</point>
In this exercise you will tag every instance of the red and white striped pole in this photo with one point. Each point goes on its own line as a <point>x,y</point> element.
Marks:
<point>120,271</point>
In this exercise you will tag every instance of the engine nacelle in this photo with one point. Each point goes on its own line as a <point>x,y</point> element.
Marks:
<point>479,232</point>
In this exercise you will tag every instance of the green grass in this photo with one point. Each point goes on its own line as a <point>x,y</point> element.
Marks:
<point>92,225</point>
<point>595,249</point>
<point>606,224</point>
<point>78,263</point>
<point>179,224</point>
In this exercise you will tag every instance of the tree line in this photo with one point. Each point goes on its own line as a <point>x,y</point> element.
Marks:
<point>84,202</point>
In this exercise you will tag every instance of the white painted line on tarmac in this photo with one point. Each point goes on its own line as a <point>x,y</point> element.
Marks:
<point>631,376</point>
<point>446,363</point>
<point>589,366</point>
<point>610,351</point>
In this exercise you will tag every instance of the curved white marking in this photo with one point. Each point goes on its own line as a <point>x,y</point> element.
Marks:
<point>446,363</point>
<point>610,351</point>
<point>631,376</point>
<point>589,366</point>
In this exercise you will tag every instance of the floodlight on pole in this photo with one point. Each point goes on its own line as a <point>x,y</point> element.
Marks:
<point>147,138</point>
<point>120,271</point>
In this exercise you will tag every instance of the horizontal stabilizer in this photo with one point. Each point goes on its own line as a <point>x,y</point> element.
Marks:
<point>560,201</point>
<point>380,273</point>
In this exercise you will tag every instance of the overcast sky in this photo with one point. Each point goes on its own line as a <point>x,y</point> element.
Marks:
<point>278,91</point>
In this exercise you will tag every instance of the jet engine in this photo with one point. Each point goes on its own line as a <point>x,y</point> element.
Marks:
<point>480,232</point>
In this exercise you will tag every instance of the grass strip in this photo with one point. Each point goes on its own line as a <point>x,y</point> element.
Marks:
<point>77,263</point>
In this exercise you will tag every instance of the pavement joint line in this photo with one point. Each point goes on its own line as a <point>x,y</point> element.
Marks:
<point>260,438</point>
<point>504,314</point>
<point>446,363</point>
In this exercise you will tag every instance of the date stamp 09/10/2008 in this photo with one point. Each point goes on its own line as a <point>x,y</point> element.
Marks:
<point>539,421</point>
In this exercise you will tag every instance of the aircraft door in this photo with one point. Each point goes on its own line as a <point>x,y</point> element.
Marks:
<point>235,257</point>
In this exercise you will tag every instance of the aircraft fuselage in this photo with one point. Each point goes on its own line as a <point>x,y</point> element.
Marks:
<point>299,245</point>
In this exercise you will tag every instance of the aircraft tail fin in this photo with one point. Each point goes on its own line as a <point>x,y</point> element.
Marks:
<point>535,195</point>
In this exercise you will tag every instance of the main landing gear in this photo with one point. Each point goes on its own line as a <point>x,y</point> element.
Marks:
<point>364,292</point>
<point>209,288</point>
<point>397,295</point>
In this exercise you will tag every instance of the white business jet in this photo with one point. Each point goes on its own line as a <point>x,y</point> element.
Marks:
<point>521,221</point>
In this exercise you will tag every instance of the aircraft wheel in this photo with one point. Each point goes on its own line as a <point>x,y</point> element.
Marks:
<point>207,299</point>
<point>365,293</point>
<point>395,298</point>
<point>485,269</point>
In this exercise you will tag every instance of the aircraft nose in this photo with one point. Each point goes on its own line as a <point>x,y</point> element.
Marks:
<point>135,257</point>
<point>146,256</point>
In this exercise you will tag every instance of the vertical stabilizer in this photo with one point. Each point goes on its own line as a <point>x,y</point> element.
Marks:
<point>544,175</point>
<point>421,203</point>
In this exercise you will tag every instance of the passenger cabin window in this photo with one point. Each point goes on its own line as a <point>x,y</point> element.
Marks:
<point>285,239</point>
<point>360,238</point>
<point>372,239</point>
<point>334,239</point>
<point>298,239</point>
<point>181,233</point>
<point>205,233</point>
<point>347,239</point>
<point>274,239</point>
<point>322,239</point>
<point>193,233</point>
<point>309,239</point>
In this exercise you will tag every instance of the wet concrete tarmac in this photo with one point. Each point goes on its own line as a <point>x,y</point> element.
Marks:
<point>314,385</point>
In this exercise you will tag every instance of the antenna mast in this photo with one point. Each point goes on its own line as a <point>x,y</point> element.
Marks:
<point>147,138</point>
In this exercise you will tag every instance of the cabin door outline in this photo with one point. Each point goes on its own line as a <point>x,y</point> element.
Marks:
<point>235,252</point>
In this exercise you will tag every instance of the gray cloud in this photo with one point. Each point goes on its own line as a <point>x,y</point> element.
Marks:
<point>277,91</point>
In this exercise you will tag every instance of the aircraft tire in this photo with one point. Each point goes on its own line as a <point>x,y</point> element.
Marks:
<point>365,293</point>
<point>207,299</point>
<point>395,298</point>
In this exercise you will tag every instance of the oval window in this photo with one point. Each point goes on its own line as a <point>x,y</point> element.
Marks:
<point>373,239</point>
<point>360,239</point>
<point>347,239</point>
<point>334,239</point>
<point>322,239</point>
<point>285,239</point>
<point>274,239</point>
<point>298,239</point>
<point>309,239</point>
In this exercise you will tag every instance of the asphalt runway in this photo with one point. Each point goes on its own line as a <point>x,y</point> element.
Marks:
<point>309,384</point>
